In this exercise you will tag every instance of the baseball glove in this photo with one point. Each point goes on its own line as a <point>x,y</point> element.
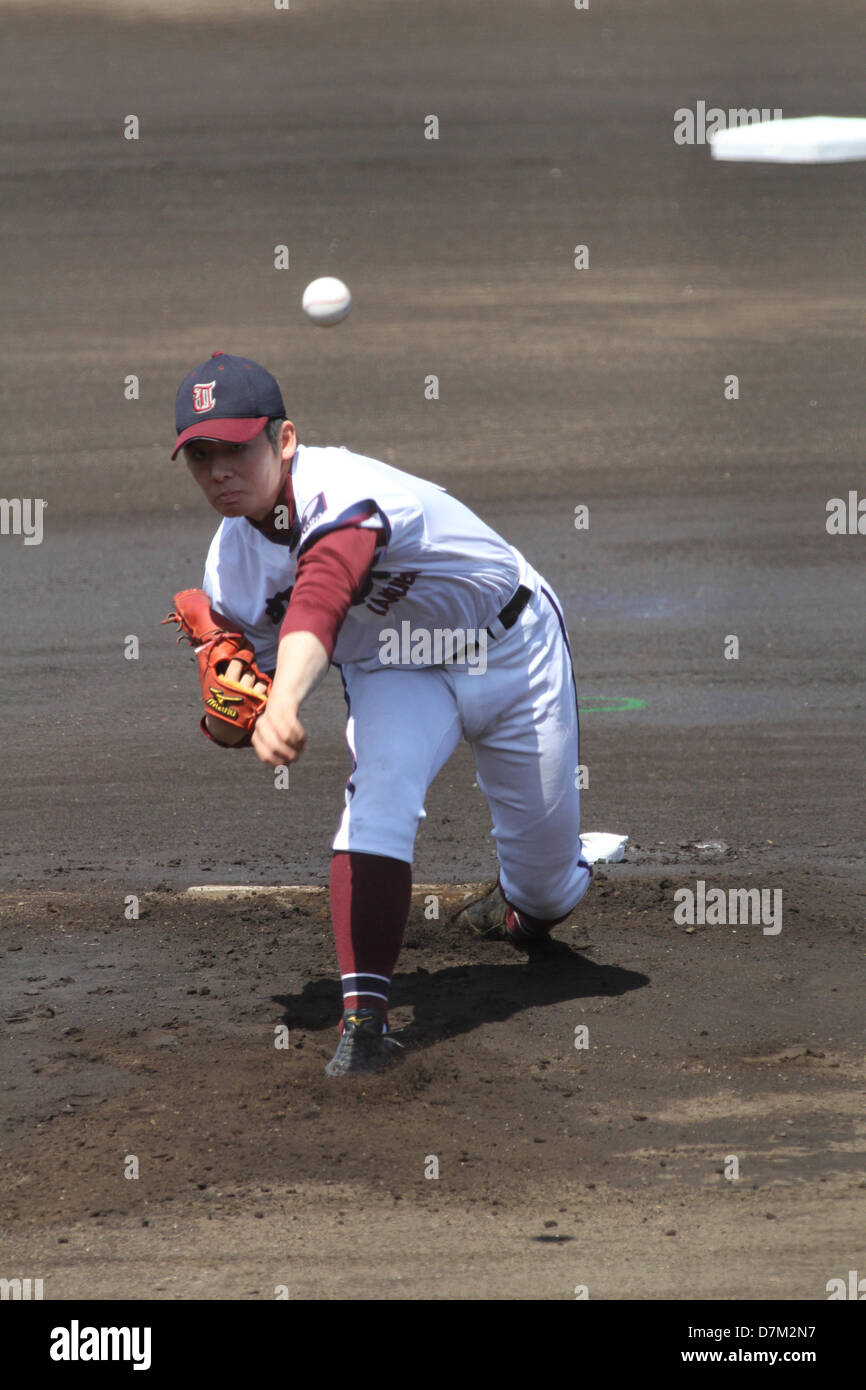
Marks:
<point>236,702</point>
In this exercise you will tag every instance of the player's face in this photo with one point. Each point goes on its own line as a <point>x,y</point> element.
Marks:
<point>241,479</point>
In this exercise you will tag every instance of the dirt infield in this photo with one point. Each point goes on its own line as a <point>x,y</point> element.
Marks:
<point>608,1166</point>
<point>193,1041</point>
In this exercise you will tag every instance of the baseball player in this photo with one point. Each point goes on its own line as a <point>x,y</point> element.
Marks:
<point>440,629</point>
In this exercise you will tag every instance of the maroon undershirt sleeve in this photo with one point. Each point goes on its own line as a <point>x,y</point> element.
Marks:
<point>330,576</point>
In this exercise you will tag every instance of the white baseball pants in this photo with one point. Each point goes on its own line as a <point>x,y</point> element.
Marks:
<point>520,720</point>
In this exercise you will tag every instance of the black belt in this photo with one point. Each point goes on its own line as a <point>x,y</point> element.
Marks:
<point>513,608</point>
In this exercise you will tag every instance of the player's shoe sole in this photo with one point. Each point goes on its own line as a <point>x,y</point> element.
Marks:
<point>363,1048</point>
<point>486,915</point>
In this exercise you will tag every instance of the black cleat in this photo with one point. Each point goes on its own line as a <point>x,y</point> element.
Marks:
<point>484,914</point>
<point>487,916</point>
<point>364,1046</point>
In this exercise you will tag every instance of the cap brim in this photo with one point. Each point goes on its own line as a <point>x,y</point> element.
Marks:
<point>222,431</point>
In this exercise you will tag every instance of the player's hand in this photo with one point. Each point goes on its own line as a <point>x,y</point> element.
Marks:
<point>279,736</point>
<point>235,672</point>
<point>219,729</point>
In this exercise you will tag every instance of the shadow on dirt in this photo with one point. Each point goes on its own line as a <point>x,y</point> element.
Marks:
<point>459,999</point>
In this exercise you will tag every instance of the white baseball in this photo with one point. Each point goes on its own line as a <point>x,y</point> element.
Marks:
<point>326,300</point>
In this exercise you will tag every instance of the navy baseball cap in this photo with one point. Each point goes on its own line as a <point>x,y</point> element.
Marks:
<point>227,398</point>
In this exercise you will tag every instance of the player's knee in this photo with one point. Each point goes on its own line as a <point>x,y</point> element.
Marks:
<point>378,829</point>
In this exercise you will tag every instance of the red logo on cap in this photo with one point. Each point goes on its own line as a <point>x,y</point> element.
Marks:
<point>202,396</point>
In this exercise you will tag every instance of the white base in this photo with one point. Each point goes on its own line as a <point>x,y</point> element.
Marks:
<point>803,140</point>
<point>600,847</point>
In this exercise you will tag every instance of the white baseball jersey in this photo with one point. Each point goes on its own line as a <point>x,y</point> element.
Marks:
<point>441,566</point>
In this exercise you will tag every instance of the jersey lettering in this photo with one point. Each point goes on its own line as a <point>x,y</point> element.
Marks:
<point>398,588</point>
<point>276,606</point>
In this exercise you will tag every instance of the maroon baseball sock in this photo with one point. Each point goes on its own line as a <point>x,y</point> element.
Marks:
<point>370,899</point>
